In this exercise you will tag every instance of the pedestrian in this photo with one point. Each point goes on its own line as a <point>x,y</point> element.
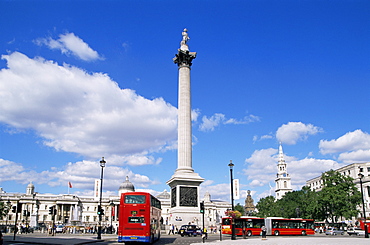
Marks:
<point>263,231</point>
<point>172,227</point>
<point>205,233</point>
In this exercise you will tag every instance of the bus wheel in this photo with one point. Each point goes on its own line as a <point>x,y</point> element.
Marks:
<point>304,233</point>
<point>276,233</point>
<point>249,233</point>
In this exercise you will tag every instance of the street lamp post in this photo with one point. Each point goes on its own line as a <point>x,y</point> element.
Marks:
<point>102,165</point>
<point>360,175</point>
<point>111,216</point>
<point>231,165</point>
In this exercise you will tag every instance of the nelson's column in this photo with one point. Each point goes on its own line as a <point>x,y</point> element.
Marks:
<point>184,183</point>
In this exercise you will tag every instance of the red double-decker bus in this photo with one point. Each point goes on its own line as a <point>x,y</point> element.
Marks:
<point>275,226</point>
<point>139,217</point>
<point>250,225</point>
<point>280,226</point>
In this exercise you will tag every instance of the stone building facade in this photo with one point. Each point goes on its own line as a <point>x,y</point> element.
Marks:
<point>80,212</point>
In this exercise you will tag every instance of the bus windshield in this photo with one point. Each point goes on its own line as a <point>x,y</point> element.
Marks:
<point>139,199</point>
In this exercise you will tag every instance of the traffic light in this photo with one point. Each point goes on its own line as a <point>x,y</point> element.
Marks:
<point>100,210</point>
<point>14,209</point>
<point>202,207</point>
<point>51,210</point>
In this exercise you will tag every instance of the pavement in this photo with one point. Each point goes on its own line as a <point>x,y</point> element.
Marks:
<point>65,239</point>
<point>289,240</point>
<point>76,239</point>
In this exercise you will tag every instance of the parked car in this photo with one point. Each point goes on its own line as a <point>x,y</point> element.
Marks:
<point>190,230</point>
<point>355,232</point>
<point>334,232</point>
<point>59,229</point>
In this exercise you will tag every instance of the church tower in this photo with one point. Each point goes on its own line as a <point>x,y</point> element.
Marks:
<point>282,180</point>
<point>185,182</point>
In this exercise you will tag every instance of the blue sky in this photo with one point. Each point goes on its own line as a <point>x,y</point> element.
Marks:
<point>80,80</point>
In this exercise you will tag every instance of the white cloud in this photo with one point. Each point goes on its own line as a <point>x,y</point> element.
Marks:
<point>81,174</point>
<point>195,114</point>
<point>210,123</point>
<point>352,147</point>
<point>217,192</point>
<point>355,156</point>
<point>356,140</point>
<point>83,113</point>
<point>263,137</point>
<point>69,43</point>
<point>15,171</point>
<point>308,168</point>
<point>294,131</point>
<point>262,169</point>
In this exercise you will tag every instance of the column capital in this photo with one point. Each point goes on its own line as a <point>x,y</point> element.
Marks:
<point>184,58</point>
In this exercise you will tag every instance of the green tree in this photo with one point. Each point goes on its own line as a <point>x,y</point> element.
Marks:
<point>290,205</point>
<point>266,207</point>
<point>239,208</point>
<point>339,196</point>
<point>310,204</point>
<point>299,204</point>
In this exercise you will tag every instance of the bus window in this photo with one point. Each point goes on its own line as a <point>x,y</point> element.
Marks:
<point>226,222</point>
<point>135,199</point>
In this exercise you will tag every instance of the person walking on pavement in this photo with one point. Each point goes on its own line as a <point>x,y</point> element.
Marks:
<point>172,227</point>
<point>263,231</point>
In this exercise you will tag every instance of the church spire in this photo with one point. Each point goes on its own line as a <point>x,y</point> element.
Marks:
<point>281,154</point>
<point>282,181</point>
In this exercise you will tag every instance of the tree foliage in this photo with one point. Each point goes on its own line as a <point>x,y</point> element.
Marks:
<point>266,207</point>
<point>239,208</point>
<point>338,198</point>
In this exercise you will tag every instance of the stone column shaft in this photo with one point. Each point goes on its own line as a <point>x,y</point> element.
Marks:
<point>184,159</point>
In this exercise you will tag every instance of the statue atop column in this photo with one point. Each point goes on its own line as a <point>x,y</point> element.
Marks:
<point>249,205</point>
<point>185,37</point>
<point>184,56</point>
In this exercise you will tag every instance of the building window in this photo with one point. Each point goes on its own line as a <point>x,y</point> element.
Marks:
<point>361,170</point>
